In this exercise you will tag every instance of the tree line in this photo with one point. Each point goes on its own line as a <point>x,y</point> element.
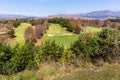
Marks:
<point>69,22</point>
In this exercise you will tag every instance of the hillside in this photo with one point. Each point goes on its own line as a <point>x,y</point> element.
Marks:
<point>10,16</point>
<point>105,14</point>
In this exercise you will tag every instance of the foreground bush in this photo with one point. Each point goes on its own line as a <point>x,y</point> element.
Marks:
<point>52,51</point>
<point>17,58</point>
<point>16,23</point>
<point>103,46</point>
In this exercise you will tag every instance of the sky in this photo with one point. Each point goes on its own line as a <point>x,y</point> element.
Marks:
<point>54,7</point>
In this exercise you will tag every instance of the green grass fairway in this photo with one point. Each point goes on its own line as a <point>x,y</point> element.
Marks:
<point>91,29</point>
<point>60,35</point>
<point>19,32</point>
<point>56,29</point>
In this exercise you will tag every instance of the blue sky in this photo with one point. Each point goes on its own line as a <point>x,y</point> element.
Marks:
<point>52,7</point>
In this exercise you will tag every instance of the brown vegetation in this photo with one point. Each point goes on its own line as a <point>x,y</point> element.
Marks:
<point>29,35</point>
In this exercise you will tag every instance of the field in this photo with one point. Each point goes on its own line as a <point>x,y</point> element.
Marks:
<point>91,29</point>
<point>55,32</point>
<point>106,72</point>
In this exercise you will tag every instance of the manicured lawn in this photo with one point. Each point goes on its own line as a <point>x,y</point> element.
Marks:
<point>56,29</point>
<point>60,35</point>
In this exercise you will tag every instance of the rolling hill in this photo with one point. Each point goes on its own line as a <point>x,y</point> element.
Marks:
<point>10,16</point>
<point>105,14</point>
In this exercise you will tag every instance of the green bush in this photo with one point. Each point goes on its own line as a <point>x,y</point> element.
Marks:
<point>103,46</point>
<point>17,58</point>
<point>81,48</point>
<point>11,33</point>
<point>6,54</point>
<point>109,42</point>
<point>32,22</point>
<point>52,51</point>
<point>16,23</point>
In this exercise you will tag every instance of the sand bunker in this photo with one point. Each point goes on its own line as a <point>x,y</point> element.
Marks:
<point>51,35</point>
<point>64,34</point>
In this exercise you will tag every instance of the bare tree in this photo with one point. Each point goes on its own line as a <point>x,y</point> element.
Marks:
<point>29,35</point>
<point>39,31</point>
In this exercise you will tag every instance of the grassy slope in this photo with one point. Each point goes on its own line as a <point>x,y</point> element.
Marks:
<point>107,72</point>
<point>91,29</point>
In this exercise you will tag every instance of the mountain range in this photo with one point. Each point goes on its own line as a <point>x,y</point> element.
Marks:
<point>105,14</point>
<point>10,16</point>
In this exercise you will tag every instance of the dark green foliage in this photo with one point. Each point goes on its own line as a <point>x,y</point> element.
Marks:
<point>114,20</point>
<point>17,58</point>
<point>16,23</point>
<point>104,46</point>
<point>11,33</point>
<point>109,48</point>
<point>81,47</point>
<point>63,22</point>
<point>6,54</point>
<point>52,51</point>
<point>32,22</point>
<point>71,27</point>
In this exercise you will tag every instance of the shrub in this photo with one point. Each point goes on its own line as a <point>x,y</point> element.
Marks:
<point>11,33</point>
<point>32,22</point>
<point>109,48</point>
<point>103,46</point>
<point>29,35</point>
<point>67,57</point>
<point>17,58</point>
<point>81,48</point>
<point>24,58</point>
<point>52,51</point>
<point>6,54</point>
<point>16,23</point>
<point>77,30</point>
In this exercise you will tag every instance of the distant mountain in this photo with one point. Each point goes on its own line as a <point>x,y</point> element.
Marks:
<point>9,16</point>
<point>96,15</point>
